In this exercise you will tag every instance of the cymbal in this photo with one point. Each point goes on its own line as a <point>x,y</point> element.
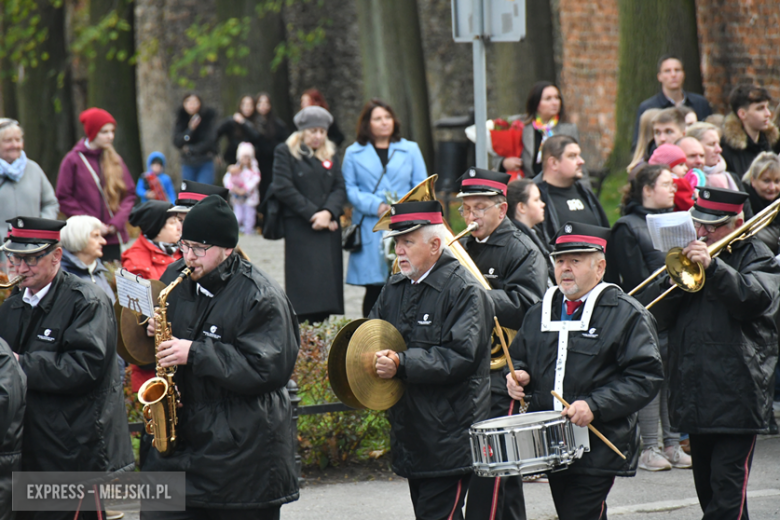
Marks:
<point>121,350</point>
<point>337,364</point>
<point>369,389</point>
<point>137,343</point>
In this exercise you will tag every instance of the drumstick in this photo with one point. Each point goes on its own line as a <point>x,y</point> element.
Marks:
<point>590,427</point>
<point>508,359</point>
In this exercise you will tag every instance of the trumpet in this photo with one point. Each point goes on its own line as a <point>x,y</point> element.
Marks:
<point>689,276</point>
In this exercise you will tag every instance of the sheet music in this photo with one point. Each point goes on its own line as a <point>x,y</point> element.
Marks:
<point>670,230</point>
<point>134,293</point>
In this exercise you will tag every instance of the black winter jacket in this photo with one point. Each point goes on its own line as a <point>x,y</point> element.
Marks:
<point>13,386</point>
<point>235,425</point>
<point>739,150</point>
<point>201,143</point>
<point>723,344</point>
<point>631,257</point>
<point>770,235</point>
<point>446,321</point>
<point>542,246</point>
<point>551,221</point>
<point>614,366</point>
<point>236,134</point>
<point>67,349</point>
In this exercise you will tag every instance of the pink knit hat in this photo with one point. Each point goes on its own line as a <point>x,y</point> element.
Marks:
<point>245,149</point>
<point>670,154</point>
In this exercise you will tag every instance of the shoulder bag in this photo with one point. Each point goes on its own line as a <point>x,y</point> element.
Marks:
<point>351,239</point>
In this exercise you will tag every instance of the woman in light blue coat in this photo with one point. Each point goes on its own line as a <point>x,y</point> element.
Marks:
<point>379,145</point>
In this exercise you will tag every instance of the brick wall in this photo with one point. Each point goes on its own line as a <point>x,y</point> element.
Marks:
<point>590,39</point>
<point>738,43</point>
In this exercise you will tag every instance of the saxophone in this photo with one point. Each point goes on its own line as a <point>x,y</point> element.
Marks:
<point>158,395</point>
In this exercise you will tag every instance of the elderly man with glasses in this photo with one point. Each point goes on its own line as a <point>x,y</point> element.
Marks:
<point>722,353</point>
<point>235,342</point>
<point>517,274</point>
<point>63,333</point>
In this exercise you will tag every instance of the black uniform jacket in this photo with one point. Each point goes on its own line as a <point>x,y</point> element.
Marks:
<point>13,386</point>
<point>723,344</point>
<point>235,428</point>
<point>517,272</point>
<point>614,366</point>
<point>76,418</point>
<point>445,321</point>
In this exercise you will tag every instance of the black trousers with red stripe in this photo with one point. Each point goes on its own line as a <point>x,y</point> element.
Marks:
<point>439,498</point>
<point>580,497</point>
<point>721,466</point>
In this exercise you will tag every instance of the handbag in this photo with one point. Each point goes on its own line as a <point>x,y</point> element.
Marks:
<point>351,239</point>
<point>271,208</point>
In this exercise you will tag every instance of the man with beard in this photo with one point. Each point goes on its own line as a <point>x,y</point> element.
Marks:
<point>445,319</point>
<point>598,349</point>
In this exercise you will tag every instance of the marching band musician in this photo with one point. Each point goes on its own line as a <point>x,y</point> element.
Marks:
<point>235,342</point>
<point>723,349</point>
<point>13,387</point>
<point>445,319</point>
<point>517,274</point>
<point>193,192</point>
<point>598,349</point>
<point>63,332</point>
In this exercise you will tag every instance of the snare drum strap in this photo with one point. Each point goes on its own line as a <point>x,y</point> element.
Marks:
<point>563,328</point>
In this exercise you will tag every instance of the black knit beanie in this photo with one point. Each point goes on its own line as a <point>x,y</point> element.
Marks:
<point>211,222</point>
<point>150,217</point>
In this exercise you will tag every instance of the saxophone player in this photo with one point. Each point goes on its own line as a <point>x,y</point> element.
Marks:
<point>234,342</point>
<point>63,333</point>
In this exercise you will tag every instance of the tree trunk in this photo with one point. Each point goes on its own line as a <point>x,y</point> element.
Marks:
<point>264,35</point>
<point>394,65</point>
<point>112,84</point>
<point>649,30</point>
<point>518,65</point>
<point>44,104</point>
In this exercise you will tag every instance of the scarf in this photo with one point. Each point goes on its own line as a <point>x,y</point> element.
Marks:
<point>15,170</point>
<point>718,177</point>
<point>546,129</point>
<point>156,186</point>
<point>165,247</point>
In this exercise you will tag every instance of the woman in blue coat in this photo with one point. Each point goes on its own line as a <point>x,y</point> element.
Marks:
<point>379,148</point>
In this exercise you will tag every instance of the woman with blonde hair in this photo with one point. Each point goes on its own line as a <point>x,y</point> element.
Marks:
<point>308,183</point>
<point>762,183</point>
<point>93,180</point>
<point>645,137</point>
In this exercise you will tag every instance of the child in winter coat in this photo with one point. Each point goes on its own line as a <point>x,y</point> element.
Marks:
<point>243,179</point>
<point>155,184</point>
<point>687,181</point>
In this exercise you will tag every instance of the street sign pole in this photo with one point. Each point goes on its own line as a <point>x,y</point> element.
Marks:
<point>480,85</point>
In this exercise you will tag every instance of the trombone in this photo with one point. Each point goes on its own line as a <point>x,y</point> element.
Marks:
<point>688,275</point>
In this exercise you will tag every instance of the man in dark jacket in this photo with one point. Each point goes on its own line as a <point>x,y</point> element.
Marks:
<point>598,349</point>
<point>748,130</point>
<point>63,332</point>
<point>517,274</point>
<point>723,350</point>
<point>13,386</point>
<point>445,318</point>
<point>671,76</point>
<point>235,341</point>
<point>564,195</point>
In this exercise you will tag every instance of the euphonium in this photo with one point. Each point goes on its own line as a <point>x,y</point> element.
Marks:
<point>158,395</point>
<point>426,191</point>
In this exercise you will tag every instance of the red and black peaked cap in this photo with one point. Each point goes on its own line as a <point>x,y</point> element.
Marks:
<point>716,205</point>
<point>32,235</point>
<point>193,192</point>
<point>575,237</point>
<point>477,181</point>
<point>406,217</point>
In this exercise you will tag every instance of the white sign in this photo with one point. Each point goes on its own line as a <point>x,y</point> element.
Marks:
<point>503,20</point>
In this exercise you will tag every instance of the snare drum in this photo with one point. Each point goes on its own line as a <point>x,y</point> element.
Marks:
<point>524,444</point>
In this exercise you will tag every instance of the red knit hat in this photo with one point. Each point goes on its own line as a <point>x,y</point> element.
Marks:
<point>670,154</point>
<point>93,120</point>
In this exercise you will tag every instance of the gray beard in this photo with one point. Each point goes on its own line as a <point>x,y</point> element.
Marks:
<point>568,292</point>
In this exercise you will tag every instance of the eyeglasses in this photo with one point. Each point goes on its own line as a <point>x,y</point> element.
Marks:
<point>477,212</point>
<point>198,251</point>
<point>709,228</point>
<point>31,261</point>
<point>671,186</point>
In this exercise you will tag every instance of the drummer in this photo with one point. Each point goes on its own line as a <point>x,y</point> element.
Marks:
<point>598,348</point>
<point>444,317</point>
